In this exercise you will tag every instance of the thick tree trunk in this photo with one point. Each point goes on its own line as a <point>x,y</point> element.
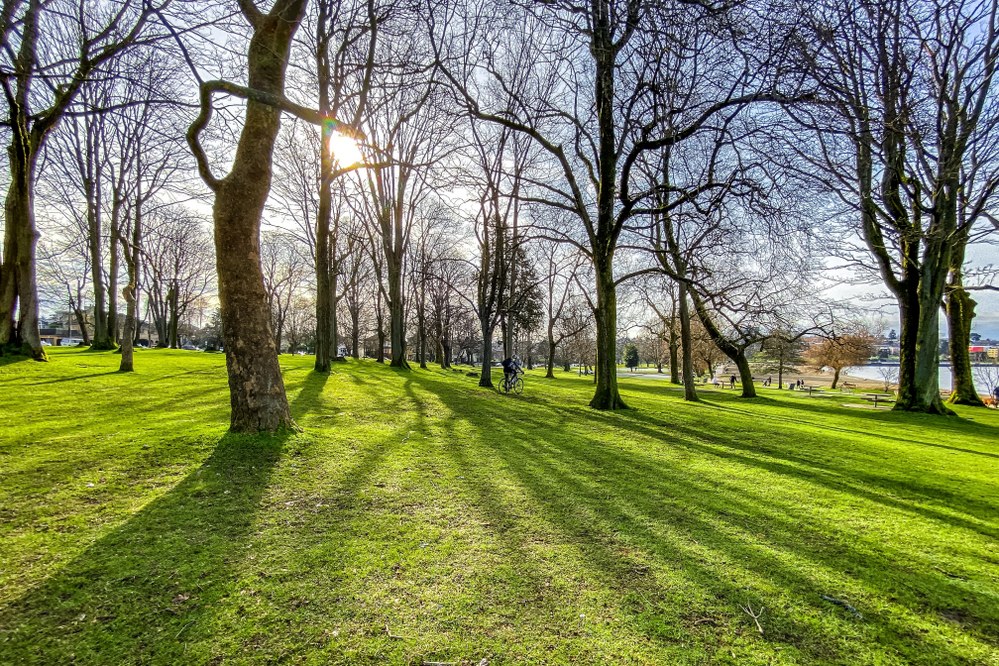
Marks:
<point>256,388</point>
<point>114,265</point>
<point>130,293</point>
<point>446,348</point>
<point>835,380</point>
<point>18,284</point>
<point>745,374</point>
<point>606,395</point>
<point>960,309</point>
<point>355,333</point>
<point>173,322</point>
<point>687,347</point>
<point>81,321</point>
<point>103,338</point>
<point>919,351</point>
<point>128,334</point>
<point>380,352</point>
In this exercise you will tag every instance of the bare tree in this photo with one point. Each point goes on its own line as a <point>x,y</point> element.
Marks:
<point>177,265</point>
<point>51,53</point>
<point>904,138</point>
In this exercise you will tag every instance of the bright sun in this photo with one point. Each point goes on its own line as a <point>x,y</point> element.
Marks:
<point>344,150</point>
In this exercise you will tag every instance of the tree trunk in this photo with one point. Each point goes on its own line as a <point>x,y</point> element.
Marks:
<point>128,334</point>
<point>687,347</point>
<point>397,312</point>
<point>380,352</point>
<point>256,388</point>
<point>18,285</point>
<point>550,365</point>
<point>486,375</point>
<point>131,290</point>
<point>674,343</point>
<point>919,351</point>
<point>173,322</point>
<point>606,395</point>
<point>735,352</point>
<point>960,309</point>
<point>835,380</point>
<point>324,326</point>
<point>103,339</point>
<point>355,333</point>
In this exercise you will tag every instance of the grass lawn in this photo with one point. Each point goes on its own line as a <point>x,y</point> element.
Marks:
<point>418,519</point>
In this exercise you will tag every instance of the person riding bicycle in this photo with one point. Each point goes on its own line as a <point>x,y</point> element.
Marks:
<point>511,368</point>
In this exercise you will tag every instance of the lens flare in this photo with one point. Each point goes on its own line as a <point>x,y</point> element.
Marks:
<point>344,150</point>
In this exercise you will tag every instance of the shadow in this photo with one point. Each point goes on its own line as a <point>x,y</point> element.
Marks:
<point>876,487</point>
<point>129,596</point>
<point>71,379</point>
<point>653,518</point>
<point>887,417</point>
<point>310,390</point>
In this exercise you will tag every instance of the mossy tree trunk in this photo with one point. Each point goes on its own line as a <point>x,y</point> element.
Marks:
<point>960,309</point>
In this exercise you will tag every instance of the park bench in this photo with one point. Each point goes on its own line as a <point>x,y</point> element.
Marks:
<point>847,385</point>
<point>878,397</point>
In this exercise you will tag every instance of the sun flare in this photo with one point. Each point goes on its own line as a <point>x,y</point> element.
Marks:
<point>344,150</point>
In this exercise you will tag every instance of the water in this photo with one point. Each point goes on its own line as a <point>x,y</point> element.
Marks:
<point>874,372</point>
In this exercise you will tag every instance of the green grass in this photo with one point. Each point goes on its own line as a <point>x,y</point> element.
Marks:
<point>419,518</point>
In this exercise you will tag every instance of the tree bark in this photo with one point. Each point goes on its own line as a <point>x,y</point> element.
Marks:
<point>674,344</point>
<point>687,347</point>
<point>550,365</point>
<point>606,395</point>
<point>960,308</point>
<point>256,388</point>
<point>18,284</point>
<point>397,314</point>
<point>324,345</point>
<point>486,375</point>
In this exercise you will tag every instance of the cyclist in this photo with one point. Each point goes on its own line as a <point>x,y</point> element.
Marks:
<point>510,369</point>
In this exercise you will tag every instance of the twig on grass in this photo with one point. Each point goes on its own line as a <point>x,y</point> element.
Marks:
<point>748,610</point>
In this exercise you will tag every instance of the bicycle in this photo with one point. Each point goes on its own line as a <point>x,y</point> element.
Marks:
<point>514,385</point>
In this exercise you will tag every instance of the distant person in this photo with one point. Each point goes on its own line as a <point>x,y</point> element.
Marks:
<point>995,397</point>
<point>731,381</point>
<point>770,380</point>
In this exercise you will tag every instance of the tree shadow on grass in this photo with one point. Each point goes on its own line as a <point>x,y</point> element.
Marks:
<point>730,542</point>
<point>72,379</point>
<point>874,486</point>
<point>129,596</point>
<point>309,398</point>
<point>983,431</point>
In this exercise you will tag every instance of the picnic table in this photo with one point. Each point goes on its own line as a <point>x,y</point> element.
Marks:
<point>878,397</point>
